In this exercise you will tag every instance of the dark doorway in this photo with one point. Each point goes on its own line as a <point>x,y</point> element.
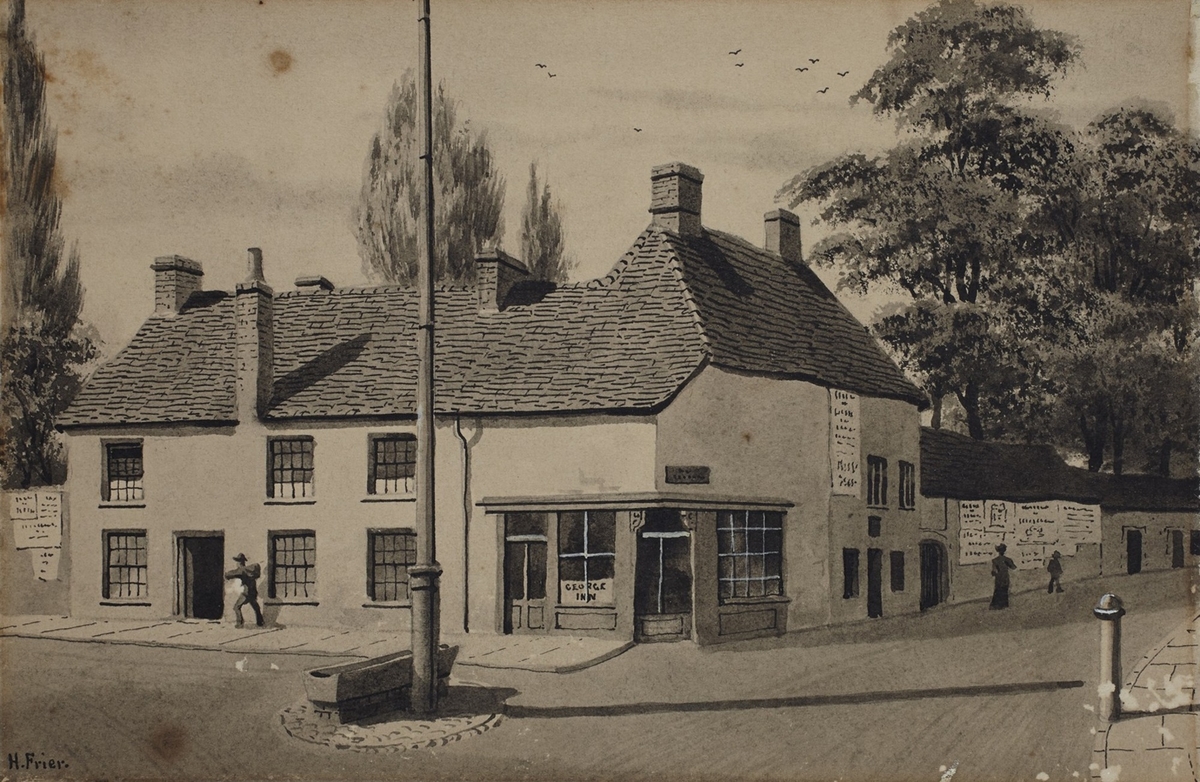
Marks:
<point>1177,552</point>
<point>874,582</point>
<point>662,592</point>
<point>524,572</point>
<point>934,574</point>
<point>1133,551</point>
<point>202,582</point>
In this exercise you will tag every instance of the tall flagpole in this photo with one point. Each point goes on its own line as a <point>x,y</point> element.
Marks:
<point>423,576</point>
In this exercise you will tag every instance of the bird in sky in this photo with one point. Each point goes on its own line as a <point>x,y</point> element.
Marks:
<point>814,62</point>
<point>736,52</point>
<point>823,90</point>
<point>843,73</point>
<point>540,64</point>
<point>802,69</point>
<point>738,64</point>
<point>551,75</point>
<point>637,130</point>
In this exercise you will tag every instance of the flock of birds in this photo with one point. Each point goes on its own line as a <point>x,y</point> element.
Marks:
<point>811,62</point>
<point>801,69</point>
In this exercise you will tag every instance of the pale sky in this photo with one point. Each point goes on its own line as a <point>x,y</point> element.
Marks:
<point>182,133</point>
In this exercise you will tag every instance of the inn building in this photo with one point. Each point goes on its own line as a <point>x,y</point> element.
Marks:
<point>703,444</point>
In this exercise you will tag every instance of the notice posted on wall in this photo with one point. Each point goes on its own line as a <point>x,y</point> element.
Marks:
<point>37,528</point>
<point>976,540</point>
<point>1079,524</point>
<point>845,442</point>
<point>1037,523</point>
<point>37,519</point>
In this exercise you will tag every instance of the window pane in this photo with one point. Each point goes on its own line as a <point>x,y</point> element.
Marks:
<point>897,571</point>
<point>570,532</point>
<point>293,565</point>
<point>537,570</point>
<point>602,532</point>
<point>125,573</point>
<point>525,523</point>
<point>514,571</point>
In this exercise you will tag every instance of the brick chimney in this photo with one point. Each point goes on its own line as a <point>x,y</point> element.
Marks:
<point>783,234</point>
<point>675,198</point>
<point>255,339</point>
<point>496,272</point>
<point>175,279</point>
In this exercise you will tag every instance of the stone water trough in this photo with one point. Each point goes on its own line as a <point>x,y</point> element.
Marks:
<point>357,690</point>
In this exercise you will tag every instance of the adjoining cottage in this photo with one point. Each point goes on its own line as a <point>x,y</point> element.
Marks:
<point>1150,522</point>
<point>703,444</point>
<point>977,494</point>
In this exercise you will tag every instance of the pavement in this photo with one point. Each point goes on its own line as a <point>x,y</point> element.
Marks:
<point>1158,734</point>
<point>544,653</point>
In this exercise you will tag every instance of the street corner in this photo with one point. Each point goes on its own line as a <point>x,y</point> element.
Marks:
<point>465,711</point>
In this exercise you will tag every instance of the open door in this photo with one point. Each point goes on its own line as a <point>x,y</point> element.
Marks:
<point>1133,551</point>
<point>934,574</point>
<point>662,592</point>
<point>202,576</point>
<point>874,582</point>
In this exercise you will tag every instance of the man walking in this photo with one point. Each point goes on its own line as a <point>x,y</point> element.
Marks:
<point>1054,566</point>
<point>248,576</point>
<point>1000,567</point>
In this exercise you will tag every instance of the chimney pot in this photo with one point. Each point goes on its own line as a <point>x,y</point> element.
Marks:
<point>675,191</point>
<point>254,265</point>
<point>496,272</point>
<point>175,279</point>
<point>783,234</point>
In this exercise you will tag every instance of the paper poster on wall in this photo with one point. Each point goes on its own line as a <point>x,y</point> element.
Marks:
<point>37,519</point>
<point>1001,516</point>
<point>845,442</point>
<point>45,563</point>
<point>976,543</point>
<point>1080,524</point>
<point>1036,523</point>
<point>1028,557</point>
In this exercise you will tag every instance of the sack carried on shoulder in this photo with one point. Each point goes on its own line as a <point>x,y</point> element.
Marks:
<point>255,570</point>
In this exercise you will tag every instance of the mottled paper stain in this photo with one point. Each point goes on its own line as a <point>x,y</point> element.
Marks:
<point>280,61</point>
<point>168,741</point>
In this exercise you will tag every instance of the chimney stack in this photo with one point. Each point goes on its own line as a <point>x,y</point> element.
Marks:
<point>675,198</point>
<point>496,272</point>
<point>255,339</point>
<point>783,234</point>
<point>313,283</point>
<point>175,279</point>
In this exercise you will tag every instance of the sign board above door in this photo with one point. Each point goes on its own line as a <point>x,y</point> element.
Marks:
<point>687,474</point>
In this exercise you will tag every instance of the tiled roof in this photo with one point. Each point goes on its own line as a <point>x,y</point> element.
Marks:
<point>612,344</point>
<point>176,369</point>
<point>1147,492</point>
<point>956,466</point>
<point>764,315</point>
<point>626,342</point>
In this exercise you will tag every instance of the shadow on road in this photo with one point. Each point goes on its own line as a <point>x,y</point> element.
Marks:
<point>627,709</point>
<point>1031,609</point>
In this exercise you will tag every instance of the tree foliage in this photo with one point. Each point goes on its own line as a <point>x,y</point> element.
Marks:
<point>45,347</point>
<point>543,245</point>
<point>468,192</point>
<point>1049,272</point>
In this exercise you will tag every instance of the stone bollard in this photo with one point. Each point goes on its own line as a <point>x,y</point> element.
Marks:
<point>1109,611</point>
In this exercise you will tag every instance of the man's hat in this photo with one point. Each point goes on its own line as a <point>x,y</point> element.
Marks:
<point>1056,555</point>
<point>1002,548</point>
<point>240,558</point>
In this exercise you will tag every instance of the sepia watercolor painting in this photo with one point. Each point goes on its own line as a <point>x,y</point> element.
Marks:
<point>446,389</point>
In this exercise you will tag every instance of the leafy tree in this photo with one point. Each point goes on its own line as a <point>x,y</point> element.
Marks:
<point>1121,218</point>
<point>468,192</point>
<point>542,240</point>
<point>45,346</point>
<point>938,216</point>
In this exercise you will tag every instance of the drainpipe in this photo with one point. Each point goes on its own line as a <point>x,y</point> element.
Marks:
<point>466,508</point>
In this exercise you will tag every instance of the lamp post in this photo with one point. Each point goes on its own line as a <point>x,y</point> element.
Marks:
<point>423,576</point>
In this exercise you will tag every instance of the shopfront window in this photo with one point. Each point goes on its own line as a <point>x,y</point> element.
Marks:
<point>749,554</point>
<point>586,554</point>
